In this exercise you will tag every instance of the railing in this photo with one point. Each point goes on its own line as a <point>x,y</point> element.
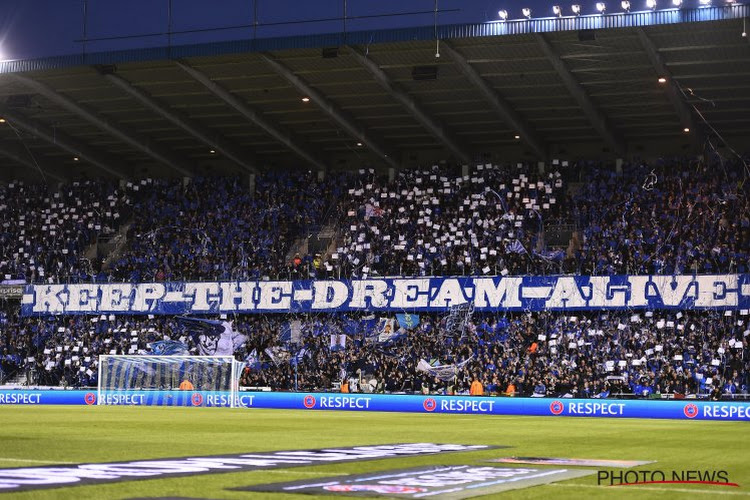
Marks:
<point>674,396</point>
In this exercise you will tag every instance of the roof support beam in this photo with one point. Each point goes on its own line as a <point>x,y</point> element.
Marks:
<point>331,109</point>
<point>180,119</point>
<point>256,117</point>
<point>596,117</point>
<point>155,151</point>
<point>499,105</point>
<point>671,88</point>
<point>411,106</point>
<point>64,142</point>
<point>22,157</point>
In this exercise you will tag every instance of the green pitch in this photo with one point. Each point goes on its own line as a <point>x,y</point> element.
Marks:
<point>36,436</point>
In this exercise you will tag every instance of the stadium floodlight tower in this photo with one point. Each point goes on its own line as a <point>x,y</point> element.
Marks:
<point>168,380</point>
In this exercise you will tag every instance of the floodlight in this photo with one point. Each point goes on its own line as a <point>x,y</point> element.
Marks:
<point>576,9</point>
<point>526,12</point>
<point>625,4</point>
<point>651,4</point>
<point>677,3</point>
<point>705,3</point>
<point>503,14</point>
<point>557,10</point>
<point>601,7</point>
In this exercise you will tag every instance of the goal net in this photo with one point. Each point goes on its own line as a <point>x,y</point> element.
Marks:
<point>168,380</point>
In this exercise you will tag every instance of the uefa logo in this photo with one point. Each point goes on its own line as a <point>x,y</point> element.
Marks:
<point>90,398</point>
<point>196,399</point>
<point>556,407</point>
<point>309,401</point>
<point>690,410</point>
<point>429,404</point>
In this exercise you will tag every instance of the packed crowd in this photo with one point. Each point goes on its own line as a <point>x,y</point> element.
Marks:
<point>662,219</point>
<point>207,228</point>
<point>218,229</point>
<point>592,354</point>
<point>542,354</point>
<point>666,218</point>
<point>437,222</point>
<point>670,220</point>
<point>45,231</point>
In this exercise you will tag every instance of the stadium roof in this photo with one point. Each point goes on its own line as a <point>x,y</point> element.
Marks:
<point>531,89</point>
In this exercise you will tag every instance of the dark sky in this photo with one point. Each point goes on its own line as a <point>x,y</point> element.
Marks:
<point>39,28</point>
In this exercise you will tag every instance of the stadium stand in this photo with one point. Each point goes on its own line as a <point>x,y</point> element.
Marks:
<point>649,219</point>
<point>586,355</point>
<point>671,217</point>
<point>217,228</point>
<point>45,232</point>
<point>674,219</point>
<point>438,222</point>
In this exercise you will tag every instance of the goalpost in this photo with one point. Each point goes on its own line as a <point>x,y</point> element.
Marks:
<point>168,380</point>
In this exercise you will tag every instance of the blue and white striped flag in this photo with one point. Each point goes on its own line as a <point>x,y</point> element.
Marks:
<point>515,246</point>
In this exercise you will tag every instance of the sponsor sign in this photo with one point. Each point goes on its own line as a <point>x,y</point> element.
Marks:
<point>33,478</point>
<point>510,293</point>
<point>612,408</point>
<point>691,410</point>
<point>127,398</point>
<point>568,462</point>
<point>446,482</point>
<point>11,291</point>
<point>556,407</point>
<point>607,408</point>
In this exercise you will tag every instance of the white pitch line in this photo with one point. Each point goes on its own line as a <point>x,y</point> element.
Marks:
<point>32,461</point>
<point>652,488</point>
<point>309,473</point>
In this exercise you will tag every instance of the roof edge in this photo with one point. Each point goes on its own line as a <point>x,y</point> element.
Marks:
<point>420,33</point>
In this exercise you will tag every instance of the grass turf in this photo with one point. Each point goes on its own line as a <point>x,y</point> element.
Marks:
<point>35,436</point>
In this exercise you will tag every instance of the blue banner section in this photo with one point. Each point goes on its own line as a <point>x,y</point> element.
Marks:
<point>486,293</point>
<point>46,397</point>
<point>613,408</point>
<point>123,398</point>
<point>608,408</point>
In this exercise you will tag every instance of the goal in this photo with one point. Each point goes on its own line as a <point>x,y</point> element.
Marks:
<point>168,380</point>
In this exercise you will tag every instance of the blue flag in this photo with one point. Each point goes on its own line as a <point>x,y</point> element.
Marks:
<point>169,348</point>
<point>515,246</point>
<point>408,321</point>
<point>285,334</point>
